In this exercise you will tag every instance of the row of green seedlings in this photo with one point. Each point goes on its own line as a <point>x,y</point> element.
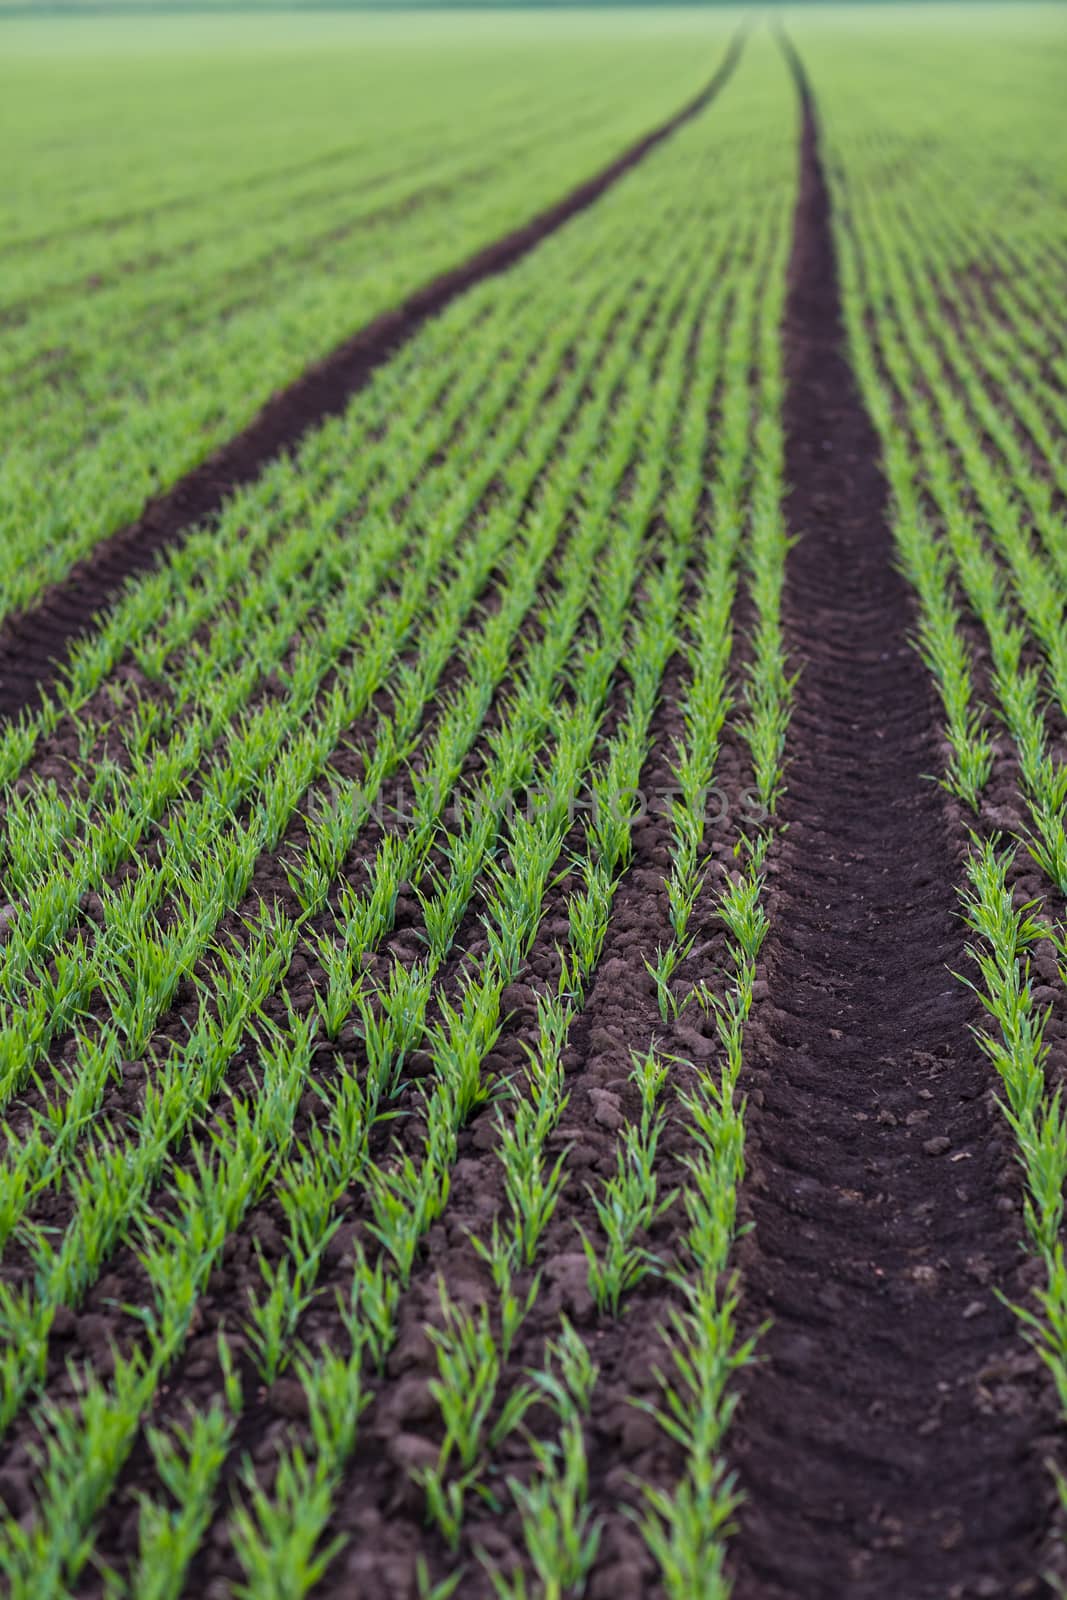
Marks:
<point>149,604</point>
<point>1007,312</point>
<point>347,816</point>
<point>155,204</point>
<point>470,1361</point>
<point>708,642</point>
<point>471,1032</point>
<point>997,468</point>
<point>472,1358</point>
<point>48,828</point>
<point>154,608</point>
<point>53,856</point>
<point>277,1531</point>
<point>226,628</point>
<point>51,901</point>
<point>384,892</point>
<point>41,1158</point>
<point>970,422</point>
<point>687,1527</point>
<point>934,566</point>
<point>1004,307</point>
<point>107,474</point>
<point>162,612</point>
<point>379,445</point>
<point>572,1459</point>
<point>127,930</point>
<point>293,216</point>
<point>285,239</point>
<point>1013,1039</point>
<point>1026,431</point>
<point>313,1182</point>
<point>36,1161</point>
<point>339,1125</point>
<point>140,979</point>
<point>685,1531</point>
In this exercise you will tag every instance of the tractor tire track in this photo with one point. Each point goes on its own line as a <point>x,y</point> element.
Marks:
<point>32,643</point>
<point>888,1444</point>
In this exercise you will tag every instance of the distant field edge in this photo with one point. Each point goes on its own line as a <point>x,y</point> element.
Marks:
<point>23,9</point>
<point>33,642</point>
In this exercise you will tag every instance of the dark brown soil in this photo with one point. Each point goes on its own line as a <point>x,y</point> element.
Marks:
<point>269,1415</point>
<point>889,1444</point>
<point>32,643</point>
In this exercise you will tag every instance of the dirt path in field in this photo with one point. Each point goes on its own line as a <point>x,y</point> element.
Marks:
<point>888,1445</point>
<point>31,643</point>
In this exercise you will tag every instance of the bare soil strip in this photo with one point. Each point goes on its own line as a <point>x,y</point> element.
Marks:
<point>33,642</point>
<point>888,1445</point>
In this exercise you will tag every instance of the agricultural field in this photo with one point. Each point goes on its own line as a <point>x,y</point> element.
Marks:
<point>533,751</point>
<point>274,198</point>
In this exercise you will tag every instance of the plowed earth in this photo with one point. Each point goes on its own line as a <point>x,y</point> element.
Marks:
<point>889,1445</point>
<point>889,1442</point>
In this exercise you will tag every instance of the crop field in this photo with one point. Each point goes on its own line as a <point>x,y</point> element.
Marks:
<point>533,788</point>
